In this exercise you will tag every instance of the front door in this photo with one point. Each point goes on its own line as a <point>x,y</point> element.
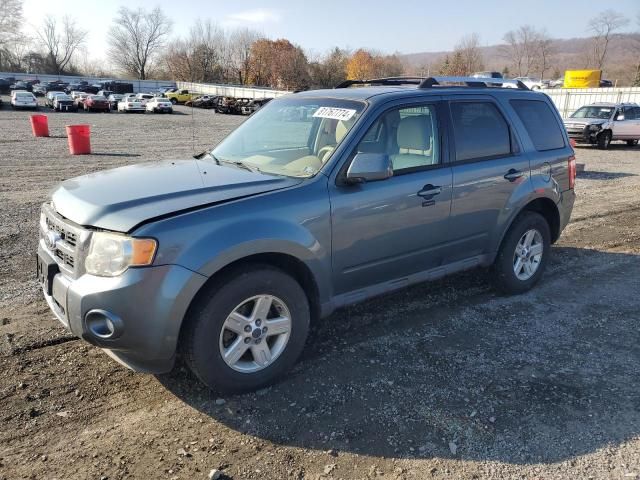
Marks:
<point>386,230</point>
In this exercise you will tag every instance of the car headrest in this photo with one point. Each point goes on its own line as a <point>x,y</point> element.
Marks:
<point>342,128</point>
<point>414,133</point>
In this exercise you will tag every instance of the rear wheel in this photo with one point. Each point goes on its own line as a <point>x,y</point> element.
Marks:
<point>632,143</point>
<point>604,140</point>
<point>523,254</point>
<point>246,331</point>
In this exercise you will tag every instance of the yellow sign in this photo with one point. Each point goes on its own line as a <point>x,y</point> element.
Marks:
<point>582,78</point>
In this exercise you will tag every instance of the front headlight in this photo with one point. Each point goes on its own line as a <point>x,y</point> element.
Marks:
<point>110,254</point>
<point>595,128</point>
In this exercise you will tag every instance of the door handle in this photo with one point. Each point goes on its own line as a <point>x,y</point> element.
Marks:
<point>512,175</point>
<point>429,191</point>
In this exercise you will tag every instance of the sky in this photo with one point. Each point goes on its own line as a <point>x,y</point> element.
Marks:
<point>406,26</point>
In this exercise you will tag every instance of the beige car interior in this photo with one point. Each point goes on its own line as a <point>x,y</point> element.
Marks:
<point>406,135</point>
<point>330,134</point>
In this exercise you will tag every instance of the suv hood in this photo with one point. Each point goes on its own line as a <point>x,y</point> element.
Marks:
<point>584,121</point>
<point>122,198</point>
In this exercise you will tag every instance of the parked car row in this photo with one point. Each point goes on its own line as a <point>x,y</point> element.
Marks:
<point>229,105</point>
<point>106,101</point>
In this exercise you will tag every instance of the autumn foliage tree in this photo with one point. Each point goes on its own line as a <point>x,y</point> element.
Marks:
<point>361,66</point>
<point>330,70</point>
<point>364,65</point>
<point>279,64</point>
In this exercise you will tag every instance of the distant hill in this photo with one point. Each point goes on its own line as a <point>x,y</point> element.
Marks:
<point>570,54</point>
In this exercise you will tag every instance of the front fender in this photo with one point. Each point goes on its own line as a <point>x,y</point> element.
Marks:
<point>294,222</point>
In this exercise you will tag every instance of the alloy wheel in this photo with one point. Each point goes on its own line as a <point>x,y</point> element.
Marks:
<point>255,333</point>
<point>528,254</point>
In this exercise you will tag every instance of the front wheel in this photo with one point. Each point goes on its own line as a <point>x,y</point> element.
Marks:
<point>523,254</point>
<point>247,331</point>
<point>604,140</point>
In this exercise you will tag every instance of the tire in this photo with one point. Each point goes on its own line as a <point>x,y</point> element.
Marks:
<point>174,101</point>
<point>604,140</point>
<point>205,336</point>
<point>505,278</point>
<point>632,143</point>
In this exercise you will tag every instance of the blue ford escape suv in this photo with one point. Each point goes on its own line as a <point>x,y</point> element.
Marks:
<point>319,200</point>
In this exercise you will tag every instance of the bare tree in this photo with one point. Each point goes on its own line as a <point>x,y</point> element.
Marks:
<point>136,38</point>
<point>543,52</point>
<point>519,49</point>
<point>528,51</point>
<point>200,56</point>
<point>10,20</point>
<point>604,27</point>
<point>61,41</point>
<point>12,41</point>
<point>470,53</point>
<point>239,53</point>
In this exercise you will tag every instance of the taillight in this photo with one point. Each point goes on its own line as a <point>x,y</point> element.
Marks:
<point>572,171</point>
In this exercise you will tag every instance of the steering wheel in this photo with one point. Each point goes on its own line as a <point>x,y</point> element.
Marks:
<point>325,151</point>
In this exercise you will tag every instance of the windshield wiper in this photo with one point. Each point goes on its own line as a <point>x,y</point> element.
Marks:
<point>240,164</point>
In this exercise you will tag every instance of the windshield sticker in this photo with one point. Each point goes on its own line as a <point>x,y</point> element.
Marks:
<point>334,113</point>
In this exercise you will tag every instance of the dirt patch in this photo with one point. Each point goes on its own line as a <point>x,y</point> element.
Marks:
<point>443,380</point>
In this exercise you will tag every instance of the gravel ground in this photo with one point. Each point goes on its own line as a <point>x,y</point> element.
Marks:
<point>443,380</point>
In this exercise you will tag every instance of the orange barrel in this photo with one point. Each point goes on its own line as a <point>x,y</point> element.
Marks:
<point>40,125</point>
<point>79,138</point>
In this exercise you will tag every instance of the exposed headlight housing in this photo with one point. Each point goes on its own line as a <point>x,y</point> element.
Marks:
<point>595,128</point>
<point>111,254</point>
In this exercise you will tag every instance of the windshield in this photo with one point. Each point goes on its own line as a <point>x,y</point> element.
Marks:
<point>593,112</point>
<point>290,136</point>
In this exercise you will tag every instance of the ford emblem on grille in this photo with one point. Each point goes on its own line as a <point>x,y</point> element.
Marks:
<point>51,239</point>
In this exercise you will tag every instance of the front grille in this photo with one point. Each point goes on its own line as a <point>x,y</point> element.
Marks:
<point>70,243</point>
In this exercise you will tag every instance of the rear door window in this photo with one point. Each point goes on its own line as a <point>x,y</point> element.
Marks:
<point>541,124</point>
<point>480,131</point>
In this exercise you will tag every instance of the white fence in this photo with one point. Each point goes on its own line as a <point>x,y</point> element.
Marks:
<point>231,90</point>
<point>138,85</point>
<point>568,100</point>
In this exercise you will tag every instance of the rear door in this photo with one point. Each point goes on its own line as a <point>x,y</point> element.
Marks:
<point>488,168</point>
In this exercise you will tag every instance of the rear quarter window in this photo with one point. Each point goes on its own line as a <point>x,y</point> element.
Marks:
<point>541,124</point>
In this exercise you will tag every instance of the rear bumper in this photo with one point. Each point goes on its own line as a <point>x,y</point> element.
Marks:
<point>148,304</point>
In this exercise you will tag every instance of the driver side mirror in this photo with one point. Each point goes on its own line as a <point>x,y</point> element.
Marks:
<point>620,117</point>
<point>369,167</point>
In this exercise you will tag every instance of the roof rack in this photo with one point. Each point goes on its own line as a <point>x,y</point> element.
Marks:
<point>390,81</point>
<point>471,82</point>
<point>429,82</point>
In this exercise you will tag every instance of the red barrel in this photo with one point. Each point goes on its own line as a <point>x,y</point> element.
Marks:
<point>40,125</point>
<point>79,138</point>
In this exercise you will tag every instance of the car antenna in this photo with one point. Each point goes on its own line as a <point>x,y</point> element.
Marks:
<point>193,126</point>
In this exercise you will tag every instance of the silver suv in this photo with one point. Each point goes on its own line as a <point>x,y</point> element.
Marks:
<point>319,200</point>
<point>603,122</point>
